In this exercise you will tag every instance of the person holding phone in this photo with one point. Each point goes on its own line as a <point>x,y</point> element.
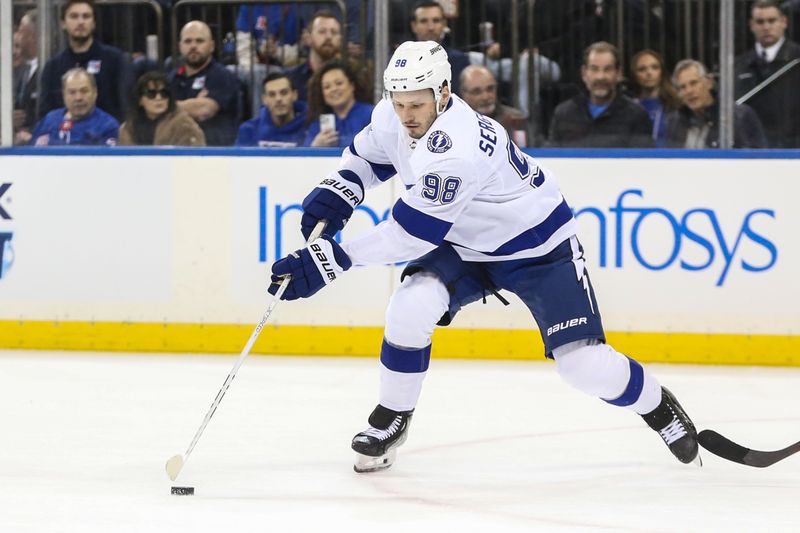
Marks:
<point>337,107</point>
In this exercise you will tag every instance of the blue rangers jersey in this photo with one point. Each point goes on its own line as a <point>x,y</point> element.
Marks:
<point>98,128</point>
<point>466,183</point>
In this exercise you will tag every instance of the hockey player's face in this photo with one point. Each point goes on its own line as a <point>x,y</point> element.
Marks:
<point>79,96</point>
<point>600,74</point>
<point>768,25</point>
<point>79,22</point>
<point>416,111</point>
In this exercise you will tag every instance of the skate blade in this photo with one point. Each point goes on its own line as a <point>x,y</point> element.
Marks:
<point>698,461</point>
<point>365,464</point>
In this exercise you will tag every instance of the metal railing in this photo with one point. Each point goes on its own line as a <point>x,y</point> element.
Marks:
<point>780,73</point>
<point>711,31</point>
<point>182,4</point>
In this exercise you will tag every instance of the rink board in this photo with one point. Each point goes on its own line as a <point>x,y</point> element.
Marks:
<point>692,259</point>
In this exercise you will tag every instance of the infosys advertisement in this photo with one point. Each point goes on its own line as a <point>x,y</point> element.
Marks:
<point>695,245</point>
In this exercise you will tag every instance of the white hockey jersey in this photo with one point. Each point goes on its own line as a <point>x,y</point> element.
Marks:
<point>466,184</point>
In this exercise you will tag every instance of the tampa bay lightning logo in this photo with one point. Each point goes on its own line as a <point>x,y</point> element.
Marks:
<point>439,142</point>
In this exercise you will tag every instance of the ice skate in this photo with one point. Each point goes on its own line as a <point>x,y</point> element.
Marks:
<point>376,447</point>
<point>675,428</point>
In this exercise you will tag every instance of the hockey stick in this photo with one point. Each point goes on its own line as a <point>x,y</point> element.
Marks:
<point>176,462</point>
<point>727,449</point>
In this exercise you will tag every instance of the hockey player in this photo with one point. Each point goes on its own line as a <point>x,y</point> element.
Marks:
<point>478,215</point>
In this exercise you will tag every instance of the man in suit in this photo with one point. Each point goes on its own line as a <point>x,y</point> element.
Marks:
<point>778,103</point>
<point>25,77</point>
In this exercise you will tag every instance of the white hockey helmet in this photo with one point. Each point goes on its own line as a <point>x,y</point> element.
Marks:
<point>418,65</point>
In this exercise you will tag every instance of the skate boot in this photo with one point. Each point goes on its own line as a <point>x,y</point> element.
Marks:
<point>675,427</point>
<point>376,447</point>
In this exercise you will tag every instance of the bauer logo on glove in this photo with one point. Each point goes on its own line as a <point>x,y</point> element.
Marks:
<point>344,190</point>
<point>322,262</point>
<point>310,268</point>
<point>333,200</point>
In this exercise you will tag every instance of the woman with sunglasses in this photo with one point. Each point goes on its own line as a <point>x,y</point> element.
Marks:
<point>154,119</point>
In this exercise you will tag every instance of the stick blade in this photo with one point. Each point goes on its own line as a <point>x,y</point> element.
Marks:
<point>727,449</point>
<point>721,446</point>
<point>174,466</point>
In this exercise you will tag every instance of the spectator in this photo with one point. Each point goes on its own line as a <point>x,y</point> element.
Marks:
<point>16,52</point>
<point>428,23</point>
<point>81,122</point>
<point>355,8</point>
<point>204,88</point>
<point>25,78</point>
<point>335,90</point>
<point>549,72</point>
<point>271,31</point>
<point>281,120</point>
<point>605,118</point>
<point>695,124</point>
<point>325,42</point>
<point>479,90</point>
<point>154,119</point>
<point>651,87</point>
<point>106,63</point>
<point>777,104</point>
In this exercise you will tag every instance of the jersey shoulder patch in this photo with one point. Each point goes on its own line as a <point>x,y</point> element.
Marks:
<point>439,142</point>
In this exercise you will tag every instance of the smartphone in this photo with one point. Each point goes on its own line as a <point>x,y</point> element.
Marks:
<point>327,121</point>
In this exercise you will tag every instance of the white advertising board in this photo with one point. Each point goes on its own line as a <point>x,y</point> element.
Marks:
<point>673,245</point>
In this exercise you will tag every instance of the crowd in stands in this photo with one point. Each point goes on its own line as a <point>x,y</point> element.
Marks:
<point>314,90</point>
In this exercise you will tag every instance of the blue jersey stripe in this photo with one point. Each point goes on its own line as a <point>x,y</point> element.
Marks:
<point>539,234</point>
<point>383,171</point>
<point>419,224</point>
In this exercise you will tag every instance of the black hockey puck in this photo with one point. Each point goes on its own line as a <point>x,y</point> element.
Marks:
<point>182,491</point>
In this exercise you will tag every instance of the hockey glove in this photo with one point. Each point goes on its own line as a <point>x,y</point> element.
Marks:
<point>333,200</point>
<point>311,268</point>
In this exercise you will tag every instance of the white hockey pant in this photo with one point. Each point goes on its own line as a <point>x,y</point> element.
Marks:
<point>596,369</point>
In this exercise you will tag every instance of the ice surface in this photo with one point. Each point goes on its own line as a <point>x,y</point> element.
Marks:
<point>494,447</point>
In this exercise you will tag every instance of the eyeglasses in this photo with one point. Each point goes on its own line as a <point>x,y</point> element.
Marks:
<point>153,93</point>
